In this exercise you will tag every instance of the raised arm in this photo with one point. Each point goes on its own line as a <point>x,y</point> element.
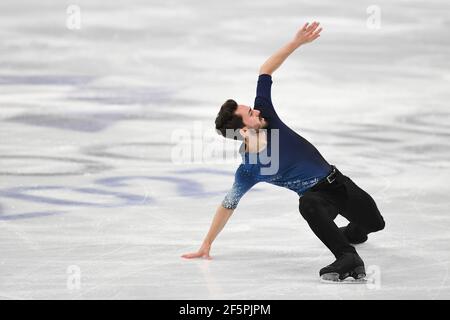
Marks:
<point>306,34</point>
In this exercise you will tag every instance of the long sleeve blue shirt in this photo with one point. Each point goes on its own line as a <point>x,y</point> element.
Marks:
<point>299,164</point>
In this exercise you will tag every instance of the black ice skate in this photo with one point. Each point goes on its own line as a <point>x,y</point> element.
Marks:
<point>352,235</point>
<point>347,265</point>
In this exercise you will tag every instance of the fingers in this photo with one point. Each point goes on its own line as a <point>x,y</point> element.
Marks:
<point>191,255</point>
<point>304,27</point>
<point>312,27</point>
<point>196,255</point>
<point>317,33</point>
<point>311,32</point>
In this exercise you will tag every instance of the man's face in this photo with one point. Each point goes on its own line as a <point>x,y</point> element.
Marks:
<point>252,118</point>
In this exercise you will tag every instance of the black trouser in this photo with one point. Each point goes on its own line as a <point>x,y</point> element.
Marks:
<point>321,204</point>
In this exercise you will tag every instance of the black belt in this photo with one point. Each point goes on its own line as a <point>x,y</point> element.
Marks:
<point>329,179</point>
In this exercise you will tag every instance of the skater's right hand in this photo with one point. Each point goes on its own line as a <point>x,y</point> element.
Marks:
<point>203,252</point>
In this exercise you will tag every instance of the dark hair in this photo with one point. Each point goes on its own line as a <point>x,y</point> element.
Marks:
<point>228,122</point>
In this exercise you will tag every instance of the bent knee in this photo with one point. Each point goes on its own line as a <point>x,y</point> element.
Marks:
<point>378,226</point>
<point>382,224</point>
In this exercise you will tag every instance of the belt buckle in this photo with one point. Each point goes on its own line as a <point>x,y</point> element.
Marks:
<point>333,175</point>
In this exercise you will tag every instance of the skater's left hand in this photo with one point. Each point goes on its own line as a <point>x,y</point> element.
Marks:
<point>307,33</point>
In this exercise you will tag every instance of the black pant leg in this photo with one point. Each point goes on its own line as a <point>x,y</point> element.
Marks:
<point>360,209</point>
<point>319,212</point>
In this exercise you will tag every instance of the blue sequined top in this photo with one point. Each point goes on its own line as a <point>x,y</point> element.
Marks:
<point>298,166</point>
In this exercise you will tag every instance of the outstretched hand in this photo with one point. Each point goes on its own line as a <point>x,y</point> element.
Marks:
<point>307,33</point>
<point>203,252</point>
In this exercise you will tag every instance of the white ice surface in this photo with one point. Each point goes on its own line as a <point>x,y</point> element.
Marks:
<point>87,116</point>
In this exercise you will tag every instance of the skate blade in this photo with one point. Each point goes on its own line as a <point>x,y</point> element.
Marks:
<point>334,278</point>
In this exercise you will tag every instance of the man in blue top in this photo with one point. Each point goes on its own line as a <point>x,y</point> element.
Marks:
<point>274,153</point>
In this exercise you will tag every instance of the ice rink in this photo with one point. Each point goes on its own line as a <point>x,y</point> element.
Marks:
<point>93,206</point>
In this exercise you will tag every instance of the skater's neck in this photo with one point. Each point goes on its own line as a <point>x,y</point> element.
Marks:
<point>256,142</point>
